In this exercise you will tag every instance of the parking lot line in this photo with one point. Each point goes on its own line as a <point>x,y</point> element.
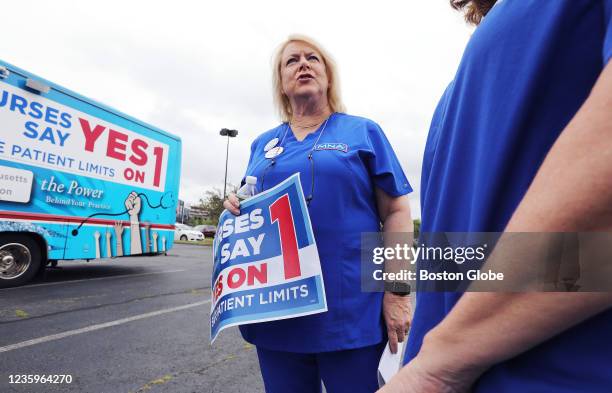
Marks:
<point>92,279</point>
<point>99,326</point>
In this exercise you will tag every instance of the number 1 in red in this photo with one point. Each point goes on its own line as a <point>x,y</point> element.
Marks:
<point>280,211</point>
<point>158,152</point>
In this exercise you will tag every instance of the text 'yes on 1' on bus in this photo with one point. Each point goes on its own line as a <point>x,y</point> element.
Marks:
<point>78,180</point>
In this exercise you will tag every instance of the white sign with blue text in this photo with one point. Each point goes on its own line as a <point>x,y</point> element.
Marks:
<point>266,263</point>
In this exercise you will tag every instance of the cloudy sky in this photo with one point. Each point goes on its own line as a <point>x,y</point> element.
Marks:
<point>194,67</point>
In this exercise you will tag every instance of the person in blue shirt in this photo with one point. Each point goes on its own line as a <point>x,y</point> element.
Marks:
<point>520,142</point>
<point>353,183</point>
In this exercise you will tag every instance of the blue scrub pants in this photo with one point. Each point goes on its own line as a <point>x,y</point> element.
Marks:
<point>352,370</point>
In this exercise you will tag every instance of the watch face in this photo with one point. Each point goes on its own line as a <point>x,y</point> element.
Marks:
<point>397,288</point>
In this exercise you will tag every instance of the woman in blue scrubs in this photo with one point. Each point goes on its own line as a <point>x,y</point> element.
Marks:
<point>520,142</point>
<point>353,183</point>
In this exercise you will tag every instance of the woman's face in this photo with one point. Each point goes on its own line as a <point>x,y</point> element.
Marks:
<point>303,72</point>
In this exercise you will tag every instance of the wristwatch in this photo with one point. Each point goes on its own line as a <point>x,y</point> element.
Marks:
<point>398,288</point>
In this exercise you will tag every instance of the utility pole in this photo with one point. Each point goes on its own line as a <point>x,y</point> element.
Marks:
<point>229,134</point>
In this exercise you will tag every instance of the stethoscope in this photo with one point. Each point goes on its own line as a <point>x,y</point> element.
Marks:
<point>161,205</point>
<point>273,149</point>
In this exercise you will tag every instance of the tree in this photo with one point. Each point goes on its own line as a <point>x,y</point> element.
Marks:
<point>417,229</point>
<point>212,202</point>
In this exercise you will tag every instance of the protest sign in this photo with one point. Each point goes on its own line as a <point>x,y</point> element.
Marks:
<point>266,264</point>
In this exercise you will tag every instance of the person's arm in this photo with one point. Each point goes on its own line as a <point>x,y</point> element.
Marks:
<point>397,227</point>
<point>572,191</point>
<point>133,204</point>
<point>118,239</point>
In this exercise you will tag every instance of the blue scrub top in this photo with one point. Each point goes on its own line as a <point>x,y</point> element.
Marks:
<point>526,71</point>
<point>351,156</point>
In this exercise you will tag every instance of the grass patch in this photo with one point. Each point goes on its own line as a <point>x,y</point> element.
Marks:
<point>160,381</point>
<point>21,314</point>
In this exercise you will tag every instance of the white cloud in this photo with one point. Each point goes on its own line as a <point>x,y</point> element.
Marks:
<point>192,68</point>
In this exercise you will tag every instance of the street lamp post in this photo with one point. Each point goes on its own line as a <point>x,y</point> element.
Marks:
<point>229,134</point>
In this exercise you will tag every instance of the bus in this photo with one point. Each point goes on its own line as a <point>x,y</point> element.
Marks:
<point>78,180</point>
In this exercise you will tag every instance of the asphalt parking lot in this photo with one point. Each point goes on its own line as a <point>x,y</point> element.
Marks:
<point>136,324</point>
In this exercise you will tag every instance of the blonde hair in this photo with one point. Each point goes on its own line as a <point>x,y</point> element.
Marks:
<point>281,101</point>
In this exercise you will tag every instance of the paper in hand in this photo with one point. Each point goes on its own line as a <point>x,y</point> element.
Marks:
<point>390,363</point>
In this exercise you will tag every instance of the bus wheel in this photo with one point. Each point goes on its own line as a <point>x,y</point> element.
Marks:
<point>20,259</point>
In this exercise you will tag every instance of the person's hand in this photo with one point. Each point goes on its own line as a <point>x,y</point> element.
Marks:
<point>133,204</point>
<point>436,369</point>
<point>396,311</point>
<point>232,204</point>
<point>118,226</point>
<point>415,378</point>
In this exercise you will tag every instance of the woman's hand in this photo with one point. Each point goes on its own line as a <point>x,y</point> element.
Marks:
<point>438,368</point>
<point>416,378</point>
<point>232,204</point>
<point>396,311</point>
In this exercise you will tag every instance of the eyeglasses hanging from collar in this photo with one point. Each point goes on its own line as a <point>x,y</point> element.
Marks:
<point>274,151</point>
